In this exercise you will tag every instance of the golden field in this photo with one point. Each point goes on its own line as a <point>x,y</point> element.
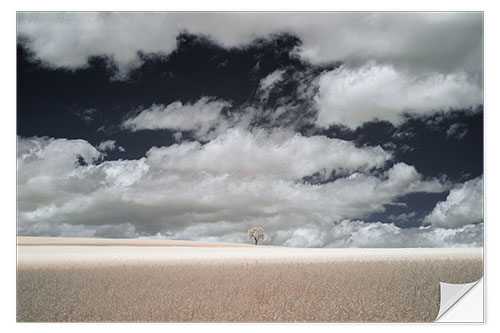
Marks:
<point>236,284</point>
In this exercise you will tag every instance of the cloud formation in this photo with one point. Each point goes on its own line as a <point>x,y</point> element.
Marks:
<point>107,145</point>
<point>188,191</point>
<point>270,80</point>
<point>202,118</point>
<point>264,152</point>
<point>352,97</point>
<point>430,42</point>
<point>280,153</point>
<point>348,233</point>
<point>464,205</point>
<point>392,62</point>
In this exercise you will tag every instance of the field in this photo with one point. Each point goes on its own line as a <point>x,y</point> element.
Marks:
<point>236,284</point>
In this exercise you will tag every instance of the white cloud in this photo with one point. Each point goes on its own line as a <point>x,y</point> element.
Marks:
<point>303,237</point>
<point>464,205</point>
<point>349,233</point>
<point>214,191</point>
<point>107,145</point>
<point>69,39</point>
<point>202,118</point>
<point>281,153</point>
<point>423,42</point>
<point>38,157</point>
<point>270,80</point>
<point>356,233</point>
<point>393,62</point>
<point>353,96</point>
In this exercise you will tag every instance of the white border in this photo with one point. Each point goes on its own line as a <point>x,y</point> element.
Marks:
<point>8,168</point>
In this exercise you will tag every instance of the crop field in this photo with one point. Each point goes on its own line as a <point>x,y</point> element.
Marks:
<point>197,284</point>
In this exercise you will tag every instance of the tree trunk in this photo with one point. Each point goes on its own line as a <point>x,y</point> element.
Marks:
<point>256,240</point>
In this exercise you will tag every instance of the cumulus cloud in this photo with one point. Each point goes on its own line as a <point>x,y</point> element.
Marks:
<point>423,42</point>
<point>68,39</point>
<point>58,156</point>
<point>392,62</point>
<point>202,118</point>
<point>464,205</point>
<point>280,153</point>
<point>349,233</point>
<point>352,96</point>
<point>241,175</point>
<point>214,191</point>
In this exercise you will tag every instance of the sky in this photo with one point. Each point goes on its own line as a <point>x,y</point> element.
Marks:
<point>326,129</point>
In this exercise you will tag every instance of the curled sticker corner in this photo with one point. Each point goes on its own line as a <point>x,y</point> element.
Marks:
<point>452,294</point>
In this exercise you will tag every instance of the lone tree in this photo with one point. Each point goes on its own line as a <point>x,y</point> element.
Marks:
<point>256,233</point>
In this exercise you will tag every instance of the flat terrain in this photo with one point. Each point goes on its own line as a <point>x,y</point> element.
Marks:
<point>238,284</point>
<point>27,240</point>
